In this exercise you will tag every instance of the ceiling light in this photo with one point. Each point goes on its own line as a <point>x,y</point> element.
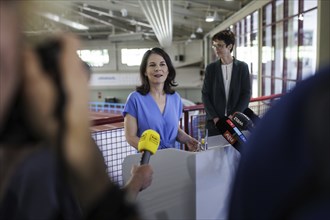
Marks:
<point>67,22</point>
<point>209,17</point>
<point>193,36</point>
<point>199,30</point>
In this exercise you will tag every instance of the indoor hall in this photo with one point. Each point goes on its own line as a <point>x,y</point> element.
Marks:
<point>282,42</point>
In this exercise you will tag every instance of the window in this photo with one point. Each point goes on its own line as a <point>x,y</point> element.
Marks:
<point>132,57</point>
<point>307,50</point>
<point>289,30</point>
<point>247,46</point>
<point>95,58</point>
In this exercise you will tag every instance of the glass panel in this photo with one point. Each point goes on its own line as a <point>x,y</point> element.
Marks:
<point>267,54</point>
<point>278,86</point>
<point>279,9</point>
<point>268,86</point>
<point>132,57</point>
<point>308,4</point>
<point>254,63</point>
<point>255,88</point>
<point>307,52</point>
<point>255,24</point>
<point>290,85</point>
<point>279,50</point>
<point>242,27</point>
<point>267,14</point>
<point>248,39</point>
<point>293,7</point>
<point>291,51</point>
<point>248,24</point>
<point>238,26</point>
<point>242,40</point>
<point>95,58</point>
<point>255,54</point>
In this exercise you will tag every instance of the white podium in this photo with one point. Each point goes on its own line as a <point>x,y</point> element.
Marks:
<point>188,185</point>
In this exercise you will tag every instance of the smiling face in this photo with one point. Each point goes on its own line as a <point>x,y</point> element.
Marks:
<point>157,70</point>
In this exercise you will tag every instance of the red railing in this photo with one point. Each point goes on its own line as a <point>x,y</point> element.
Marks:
<point>259,105</point>
<point>107,131</point>
<point>109,119</point>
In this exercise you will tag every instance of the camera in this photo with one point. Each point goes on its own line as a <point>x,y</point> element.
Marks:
<point>17,129</point>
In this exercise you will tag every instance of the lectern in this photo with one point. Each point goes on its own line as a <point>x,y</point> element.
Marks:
<point>188,185</point>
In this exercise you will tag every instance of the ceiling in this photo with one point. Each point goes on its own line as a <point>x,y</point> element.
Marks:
<point>164,21</point>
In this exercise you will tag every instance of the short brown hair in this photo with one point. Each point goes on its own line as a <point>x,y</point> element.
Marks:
<point>226,36</point>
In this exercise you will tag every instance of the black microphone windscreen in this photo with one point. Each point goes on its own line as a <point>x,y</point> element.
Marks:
<point>255,118</point>
<point>242,121</point>
<point>228,132</point>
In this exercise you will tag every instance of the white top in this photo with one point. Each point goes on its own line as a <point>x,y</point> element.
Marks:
<point>226,75</point>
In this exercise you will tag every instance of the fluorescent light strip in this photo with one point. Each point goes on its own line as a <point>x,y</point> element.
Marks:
<point>67,22</point>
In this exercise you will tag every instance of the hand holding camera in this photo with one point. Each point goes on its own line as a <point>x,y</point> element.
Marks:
<point>55,97</point>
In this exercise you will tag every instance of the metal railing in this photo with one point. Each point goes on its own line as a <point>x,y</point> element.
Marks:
<point>108,132</point>
<point>194,116</point>
<point>106,107</point>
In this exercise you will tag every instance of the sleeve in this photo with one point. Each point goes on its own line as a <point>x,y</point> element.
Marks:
<point>207,93</point>
<point>180,108</point>
<point>245,93</point>
<point>131,105</point>
<point>113,205</point>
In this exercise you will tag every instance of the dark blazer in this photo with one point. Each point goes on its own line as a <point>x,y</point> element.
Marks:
<point>213,91</point>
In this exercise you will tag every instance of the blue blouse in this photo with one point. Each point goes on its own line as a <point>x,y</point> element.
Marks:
<point>148,116</point>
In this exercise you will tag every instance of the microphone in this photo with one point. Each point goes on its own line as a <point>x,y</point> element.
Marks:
<point>148,145</point>
<point>242,121</point>
<point>231,133</point>
<point>255,118</point>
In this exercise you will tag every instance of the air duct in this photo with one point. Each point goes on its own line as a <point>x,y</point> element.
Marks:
<point>159,15</point>
<point>126,37</point>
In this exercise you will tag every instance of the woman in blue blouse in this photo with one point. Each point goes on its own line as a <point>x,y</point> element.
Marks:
<point>155,105</point>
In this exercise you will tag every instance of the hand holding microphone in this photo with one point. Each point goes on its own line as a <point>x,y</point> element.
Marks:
<point>142,175</point>
<point>148,145</point>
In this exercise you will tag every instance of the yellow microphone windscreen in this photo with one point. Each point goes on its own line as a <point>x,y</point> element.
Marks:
<point>149,141</point>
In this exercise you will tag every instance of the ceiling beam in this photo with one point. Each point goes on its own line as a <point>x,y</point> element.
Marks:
<point>218,4</point>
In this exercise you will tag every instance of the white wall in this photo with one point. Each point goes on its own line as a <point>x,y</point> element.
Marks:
<point>188,70</point>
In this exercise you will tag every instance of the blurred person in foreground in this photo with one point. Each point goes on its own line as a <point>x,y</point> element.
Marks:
<point>155,105</point>
<point>50,167</point>
<point>227,86</point>
<point>284,170</point>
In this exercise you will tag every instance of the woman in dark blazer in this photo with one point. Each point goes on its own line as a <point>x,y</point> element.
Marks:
<point>227,85</point>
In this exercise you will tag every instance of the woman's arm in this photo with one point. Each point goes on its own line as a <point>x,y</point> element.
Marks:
<point>131,128</point>
<point>186,139</point>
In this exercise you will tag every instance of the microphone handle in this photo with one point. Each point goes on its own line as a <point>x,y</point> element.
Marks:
<point>237,146</point>
<point>145,157</point>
